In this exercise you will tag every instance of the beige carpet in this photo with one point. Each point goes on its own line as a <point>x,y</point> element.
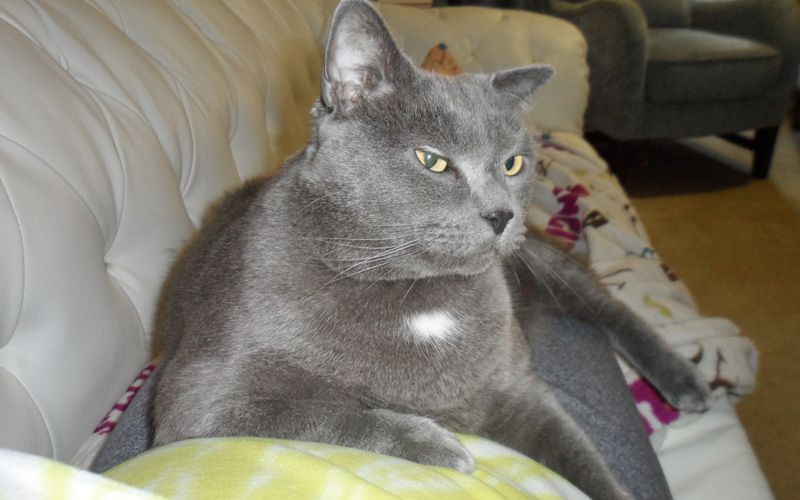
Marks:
<point>736,243</point>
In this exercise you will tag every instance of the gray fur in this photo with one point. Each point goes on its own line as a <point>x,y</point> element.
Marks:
<point>290,315</point>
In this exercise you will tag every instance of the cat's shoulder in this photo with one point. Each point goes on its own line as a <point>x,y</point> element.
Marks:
<point>234,203</point>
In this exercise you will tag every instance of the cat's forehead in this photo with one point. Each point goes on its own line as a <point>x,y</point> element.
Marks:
<point>465,95</point>
<point>463,111</point>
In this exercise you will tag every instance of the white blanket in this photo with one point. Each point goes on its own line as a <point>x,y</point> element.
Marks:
<point>581,204</point>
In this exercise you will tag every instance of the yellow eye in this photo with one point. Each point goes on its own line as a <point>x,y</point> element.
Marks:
<point>513,165</point>
<point>432,162</point>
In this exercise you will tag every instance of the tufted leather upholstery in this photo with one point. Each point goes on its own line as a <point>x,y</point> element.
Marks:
<point>121,121</point>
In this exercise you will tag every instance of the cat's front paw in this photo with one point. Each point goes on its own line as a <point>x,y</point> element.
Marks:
<point>684,387</point>
<point>428,443</point>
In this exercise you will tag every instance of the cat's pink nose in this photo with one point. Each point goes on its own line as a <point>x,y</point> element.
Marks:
<point>498,219</point>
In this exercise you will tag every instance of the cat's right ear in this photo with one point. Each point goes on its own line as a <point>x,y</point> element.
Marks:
<point>362,60</point>
<point>519,84</point>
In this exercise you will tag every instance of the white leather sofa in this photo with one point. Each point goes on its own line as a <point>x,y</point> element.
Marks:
<point>121,120</point>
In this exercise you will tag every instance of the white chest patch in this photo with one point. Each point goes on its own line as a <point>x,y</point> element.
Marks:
<point>432,325</point>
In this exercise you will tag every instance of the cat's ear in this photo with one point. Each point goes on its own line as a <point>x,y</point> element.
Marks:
<point>520,83</point>
<point>362,60</point>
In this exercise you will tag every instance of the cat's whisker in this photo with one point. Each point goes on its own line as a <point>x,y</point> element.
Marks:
<point>336,240</point>
<point>408,291</point>
<point>313,202</point>
<point>345,259</point>
<point>538,277</point>
<point>384,275</point>
<point>513,271</point>
<point>549,249</point>
<point>416,226</point>
<point>564,282</point>
<point>385,256</point>
<point>393,260</point>
<point>361,271</point>
<point>388,257</point>
<point>340,245</point>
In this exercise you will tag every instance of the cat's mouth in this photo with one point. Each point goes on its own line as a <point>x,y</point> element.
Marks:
<point>470,243</point>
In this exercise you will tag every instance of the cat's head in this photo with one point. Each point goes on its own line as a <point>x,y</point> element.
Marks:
<point>412,174</point>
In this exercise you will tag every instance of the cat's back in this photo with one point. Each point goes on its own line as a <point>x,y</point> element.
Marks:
<point>205,280</point>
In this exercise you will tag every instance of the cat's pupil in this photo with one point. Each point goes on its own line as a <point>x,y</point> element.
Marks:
<point>510,163</point>
<point>431,161</point>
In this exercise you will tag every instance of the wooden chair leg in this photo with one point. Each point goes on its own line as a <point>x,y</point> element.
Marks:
<point>763,147</point>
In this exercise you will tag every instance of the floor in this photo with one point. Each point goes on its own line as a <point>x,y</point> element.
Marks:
<point>736,243</point>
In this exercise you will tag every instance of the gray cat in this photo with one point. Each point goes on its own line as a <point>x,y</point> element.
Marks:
<point>381,292</point>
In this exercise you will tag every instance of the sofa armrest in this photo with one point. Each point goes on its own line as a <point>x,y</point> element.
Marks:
<point>616,32</point>
<point>485,40</point>
<point>764,20</point>
<point>774,22</point>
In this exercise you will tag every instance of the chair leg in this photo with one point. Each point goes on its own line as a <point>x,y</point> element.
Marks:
<point>617,152</point>
<point>763,147</point>
<point>625,156</point>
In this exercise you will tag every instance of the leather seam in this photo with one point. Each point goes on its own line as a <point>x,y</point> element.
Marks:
<point>101,106</point>
<point>60,176</point>
<point>192,166</point>
<point>22,245</point>
<point>38,409</point>
<point>46,20</point>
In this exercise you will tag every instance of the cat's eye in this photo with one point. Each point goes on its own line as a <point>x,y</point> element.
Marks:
<point>513,165</point>
<point>432,162</point>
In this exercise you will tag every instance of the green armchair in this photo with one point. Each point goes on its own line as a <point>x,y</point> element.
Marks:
<point>681,68</point>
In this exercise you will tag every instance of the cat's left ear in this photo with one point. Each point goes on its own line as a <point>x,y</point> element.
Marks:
<point>521,83</point>
<point>362,60</point>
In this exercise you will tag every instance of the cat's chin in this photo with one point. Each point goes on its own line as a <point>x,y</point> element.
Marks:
<point>438,265</point>
<point>427,266</point>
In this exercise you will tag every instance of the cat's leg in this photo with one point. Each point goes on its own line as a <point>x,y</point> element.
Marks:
<point>410,437</point>
<point>675,377</point>
<point>530,419</point>
<point>552,282</point>
<point>311,412</point>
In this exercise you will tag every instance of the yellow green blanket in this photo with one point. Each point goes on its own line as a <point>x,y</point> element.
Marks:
<point>268,468</point>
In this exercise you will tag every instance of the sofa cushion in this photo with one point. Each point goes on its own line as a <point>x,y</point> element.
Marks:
<point>688,65</point>
<point>666,13</point>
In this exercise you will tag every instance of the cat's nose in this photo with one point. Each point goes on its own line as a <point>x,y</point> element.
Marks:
<point>498,219</point>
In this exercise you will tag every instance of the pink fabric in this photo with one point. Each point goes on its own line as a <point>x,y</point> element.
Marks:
<point>654,410</point>
<point>566,224</point>
<point>110,420</point>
